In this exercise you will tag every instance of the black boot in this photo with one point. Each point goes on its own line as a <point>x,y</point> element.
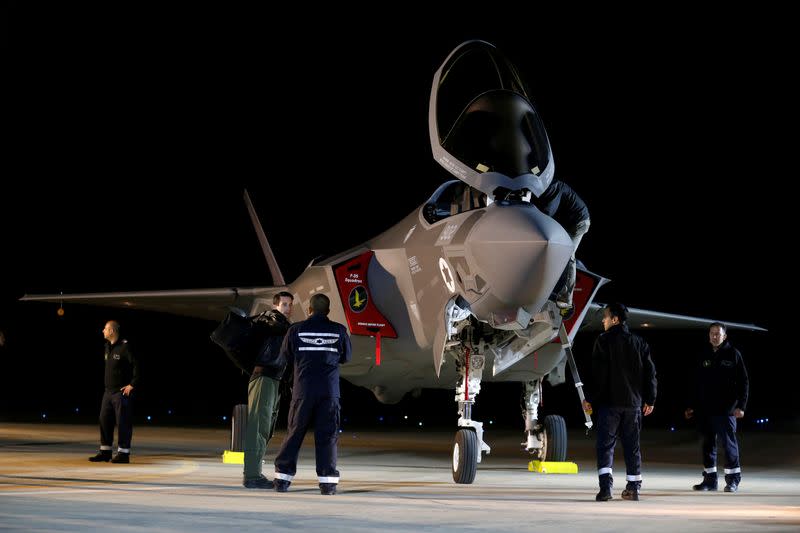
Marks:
<point>281,485</point>
<point>606,483</point>
<point>709,482</point>
<point>732,482</point>
<point>604,495</point>
<point>258,483</point>
<point>103,456</point>
<point>631,491</point>
<point>328,489</point>
<point>121,457</point>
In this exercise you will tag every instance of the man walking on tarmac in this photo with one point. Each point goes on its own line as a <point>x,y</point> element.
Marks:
<point>719,399</point>
<point>315,347</point>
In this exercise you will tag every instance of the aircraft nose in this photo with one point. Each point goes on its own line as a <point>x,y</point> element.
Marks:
<point>519,253</point>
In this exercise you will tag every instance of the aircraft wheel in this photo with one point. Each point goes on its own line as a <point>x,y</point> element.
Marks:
<point>555,434</point>
<point>465,456</point>
<point>238,427</point>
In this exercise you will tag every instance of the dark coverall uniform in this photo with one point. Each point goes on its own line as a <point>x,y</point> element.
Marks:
<point>315,347</point>
<point>623,376</point>
<point>721,387</point>
<point>122,368</point>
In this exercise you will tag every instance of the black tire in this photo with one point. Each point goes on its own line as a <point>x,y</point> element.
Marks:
<point>238,427</point>
<point>555,430</point>
<point>465,456</point>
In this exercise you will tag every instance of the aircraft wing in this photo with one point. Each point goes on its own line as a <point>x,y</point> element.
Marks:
<point>210,304</point>
<point>644,319</point>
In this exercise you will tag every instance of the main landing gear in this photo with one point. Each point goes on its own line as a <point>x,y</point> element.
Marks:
<point>546,441</point>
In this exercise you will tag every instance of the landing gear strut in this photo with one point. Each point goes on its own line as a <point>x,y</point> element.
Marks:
<point>547,441</point>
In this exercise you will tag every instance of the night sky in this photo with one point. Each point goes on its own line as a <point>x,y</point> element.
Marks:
<point>130,134</point>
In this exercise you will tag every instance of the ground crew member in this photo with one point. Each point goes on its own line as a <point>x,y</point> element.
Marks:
<point>263,397</point>
<point>719,398</point>
<point>315,347</point>
<point>623,376</point>
<point>121,377</point>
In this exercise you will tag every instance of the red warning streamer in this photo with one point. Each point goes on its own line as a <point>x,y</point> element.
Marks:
<point>378,349</point>
<point>466,376</point>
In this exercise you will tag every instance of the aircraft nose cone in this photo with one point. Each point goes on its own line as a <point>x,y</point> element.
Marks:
<point>520,253</point>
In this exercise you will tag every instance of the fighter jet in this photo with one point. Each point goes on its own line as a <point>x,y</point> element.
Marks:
<point>461,290</point>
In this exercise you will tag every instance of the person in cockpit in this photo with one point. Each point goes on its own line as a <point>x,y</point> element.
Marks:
<point>560,202</point>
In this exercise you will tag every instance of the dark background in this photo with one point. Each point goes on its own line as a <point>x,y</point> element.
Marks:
<point>131,131</point>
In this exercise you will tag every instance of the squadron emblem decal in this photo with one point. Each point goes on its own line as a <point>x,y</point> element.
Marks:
<point>358,299</point>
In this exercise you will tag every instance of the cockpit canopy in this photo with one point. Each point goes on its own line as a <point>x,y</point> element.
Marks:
<point>483,128</point>
<point>497,132</point>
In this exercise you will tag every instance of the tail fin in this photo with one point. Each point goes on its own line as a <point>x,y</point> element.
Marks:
<point>277,276</point>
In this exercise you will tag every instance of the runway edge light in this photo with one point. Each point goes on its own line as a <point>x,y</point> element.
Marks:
<point>553,467</point>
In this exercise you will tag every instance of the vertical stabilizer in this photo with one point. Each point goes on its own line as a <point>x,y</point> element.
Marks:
<point>277,277</point>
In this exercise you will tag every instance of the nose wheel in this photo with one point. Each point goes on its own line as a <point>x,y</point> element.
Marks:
<point>465,456</point>
<point>468,444</point>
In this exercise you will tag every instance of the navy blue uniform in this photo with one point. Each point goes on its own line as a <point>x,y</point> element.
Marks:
<point>623,376</point>
<point>122,368</point>
<point>315,348</point>
<point>721,386</point>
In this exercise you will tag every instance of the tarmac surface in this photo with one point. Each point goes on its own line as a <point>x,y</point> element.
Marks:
<point>390,481</point>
